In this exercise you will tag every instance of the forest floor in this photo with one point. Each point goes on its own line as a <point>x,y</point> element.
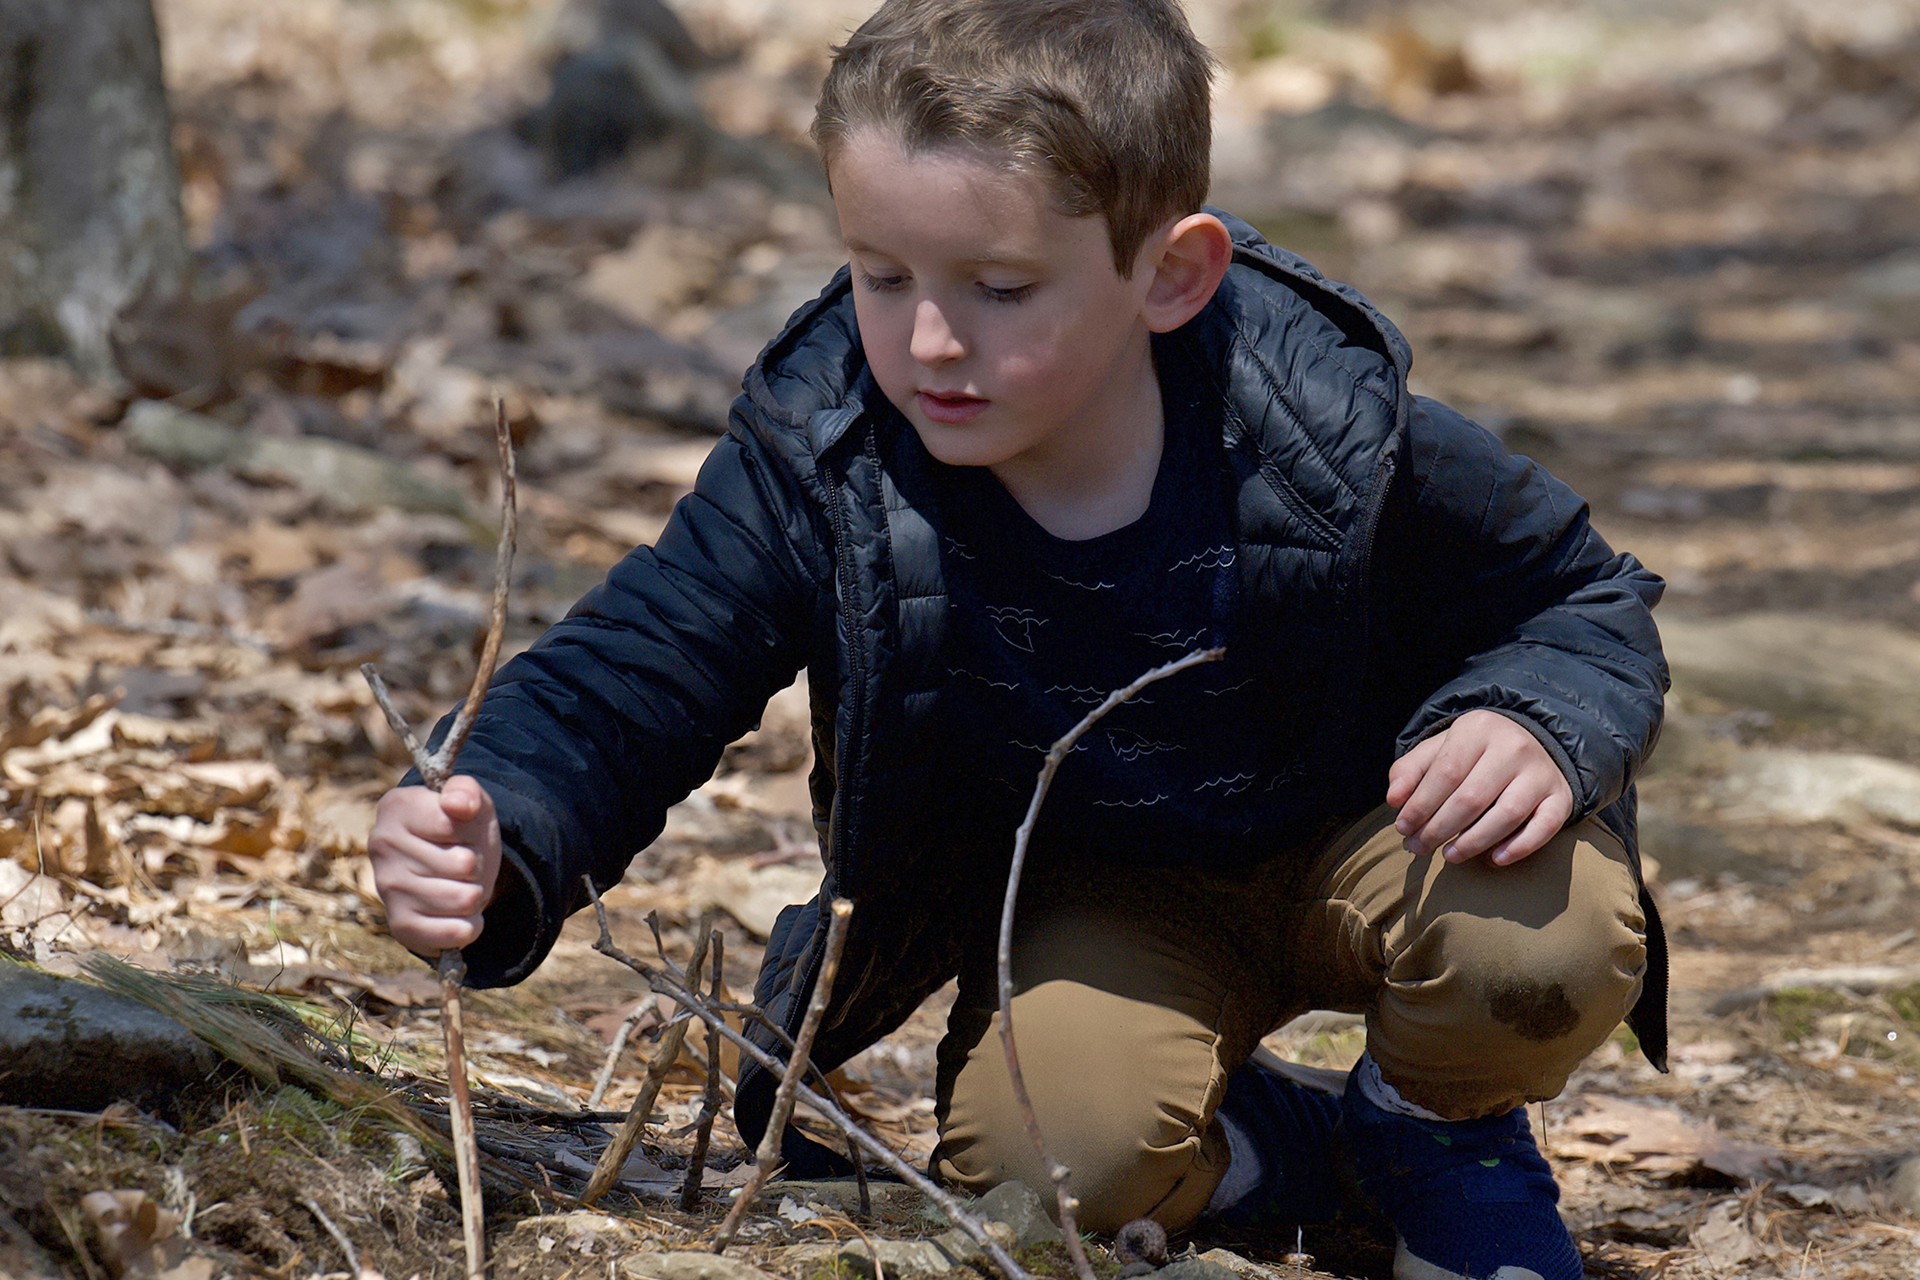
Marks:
<point>1673,255</point>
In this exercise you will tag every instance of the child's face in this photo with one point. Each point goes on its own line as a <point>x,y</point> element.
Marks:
<point>995,323</point>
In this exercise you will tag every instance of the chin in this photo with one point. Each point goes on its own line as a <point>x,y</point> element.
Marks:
<point>956,448</point>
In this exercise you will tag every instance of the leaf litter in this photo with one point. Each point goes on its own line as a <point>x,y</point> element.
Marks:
<point>1677,269</point>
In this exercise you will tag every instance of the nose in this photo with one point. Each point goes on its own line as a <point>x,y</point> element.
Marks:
<point>934,341</point>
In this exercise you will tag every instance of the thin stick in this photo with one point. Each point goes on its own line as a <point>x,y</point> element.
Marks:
<point>1063,1192</point>
<point>619,1046</point>
<point>606,1171</point>
<point>339,1236</point>
<point>435,768</point>
<point>827,1108</point>
<point>710,1103</point>
<point>769,1150</point>
<point>466,1147</point>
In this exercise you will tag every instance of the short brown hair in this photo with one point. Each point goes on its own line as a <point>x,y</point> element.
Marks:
<point>1109,98</point>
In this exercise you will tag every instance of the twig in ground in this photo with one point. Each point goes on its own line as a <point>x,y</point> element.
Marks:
<point>606,1171</point>
<point>619,1046</point>
<point>710,1101</point>
<point>797,1064</point>
<point>1063,1192</point>
<point>435,768</point>
<point>824,1105</point>
<point>339,1236</point>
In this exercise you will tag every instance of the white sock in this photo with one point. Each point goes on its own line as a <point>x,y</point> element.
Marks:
<point>1385,1096</point>
<point>1244,1168</point>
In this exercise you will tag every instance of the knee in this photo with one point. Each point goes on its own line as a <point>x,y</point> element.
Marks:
<point>1123,1100</point>
<point>1505,982</point>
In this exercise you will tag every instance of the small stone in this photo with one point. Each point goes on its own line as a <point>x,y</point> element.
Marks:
<point>1906,1185</point>
<point>1019,1207</point>
<point>689,1266</point>
<point>906,1259</point>
<point>68,1045</point>
<point>1245,1268</point>
<point>1195,1269</point>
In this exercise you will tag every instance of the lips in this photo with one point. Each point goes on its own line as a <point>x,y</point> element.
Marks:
<point>951,407</point>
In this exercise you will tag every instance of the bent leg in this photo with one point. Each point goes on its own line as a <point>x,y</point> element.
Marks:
<point>1494,982</point>
<point>1120,1034</point>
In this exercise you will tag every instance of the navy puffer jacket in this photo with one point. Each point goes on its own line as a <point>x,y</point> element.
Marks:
<point>1399,563</point>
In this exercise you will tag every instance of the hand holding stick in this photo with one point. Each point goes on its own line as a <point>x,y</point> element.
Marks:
<point>1063,1193</point>
<point>435,768</point>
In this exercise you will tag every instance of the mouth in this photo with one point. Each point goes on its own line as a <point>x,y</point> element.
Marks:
<point>951,406</point>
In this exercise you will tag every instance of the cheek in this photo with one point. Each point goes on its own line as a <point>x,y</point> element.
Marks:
<point>884,340</point>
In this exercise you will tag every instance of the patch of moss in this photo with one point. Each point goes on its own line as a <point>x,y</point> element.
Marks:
<point>1796,1009</point>
<point>1906,1003</point>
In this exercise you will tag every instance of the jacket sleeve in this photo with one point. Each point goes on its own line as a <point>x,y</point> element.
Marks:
<point>625,705</point>
<point>1510,601</point>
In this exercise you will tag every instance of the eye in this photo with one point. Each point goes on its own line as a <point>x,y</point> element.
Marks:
<point>1017,293</point>
<point>882,284</point>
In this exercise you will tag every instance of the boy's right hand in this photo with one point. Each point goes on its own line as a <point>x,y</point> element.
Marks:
<point>436,856</point>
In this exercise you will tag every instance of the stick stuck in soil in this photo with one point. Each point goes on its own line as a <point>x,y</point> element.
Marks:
<point>797,1064</point>
<point>436,767</point>
<point>1061,1175</point>
<point>606,1171</point>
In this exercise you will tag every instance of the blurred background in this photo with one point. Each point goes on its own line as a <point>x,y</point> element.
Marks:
<point>264,267</point>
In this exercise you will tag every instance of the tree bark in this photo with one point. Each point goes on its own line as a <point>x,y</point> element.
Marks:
<point>89,193</point>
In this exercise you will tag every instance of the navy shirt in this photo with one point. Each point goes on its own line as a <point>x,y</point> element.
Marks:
<point>1043,628</point>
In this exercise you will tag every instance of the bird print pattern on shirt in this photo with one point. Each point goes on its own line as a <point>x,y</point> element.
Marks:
<point>1040,630</point>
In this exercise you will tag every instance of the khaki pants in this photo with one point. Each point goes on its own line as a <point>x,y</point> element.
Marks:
<point>1136,996</point>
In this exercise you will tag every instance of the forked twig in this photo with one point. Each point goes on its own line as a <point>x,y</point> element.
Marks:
<point>674,1035</point>
<point>797,1063</point>
<point>435,768</point>
<point>677,991</point>
<point>1063,1192</point>
<point>710,1101</point>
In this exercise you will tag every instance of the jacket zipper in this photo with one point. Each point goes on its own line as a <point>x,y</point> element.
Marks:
<point>841,827</point>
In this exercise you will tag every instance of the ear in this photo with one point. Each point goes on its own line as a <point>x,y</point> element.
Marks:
<point>1193,256</point>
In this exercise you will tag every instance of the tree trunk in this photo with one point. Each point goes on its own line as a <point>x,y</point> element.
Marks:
<point>89,194</point>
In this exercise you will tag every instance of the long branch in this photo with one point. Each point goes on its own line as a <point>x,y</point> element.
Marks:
<point>769,1149</point>
<point>1063,1191</point>
<point>435,768</point>
<point>825,1106</point>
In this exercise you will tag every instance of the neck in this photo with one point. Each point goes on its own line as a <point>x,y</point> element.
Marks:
<point>1103,479</point>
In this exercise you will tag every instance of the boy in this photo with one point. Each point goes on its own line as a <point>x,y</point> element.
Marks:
<point>1055,425</point>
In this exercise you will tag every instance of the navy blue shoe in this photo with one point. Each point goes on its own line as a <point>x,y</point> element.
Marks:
<point>1469,1198</point>
<point>1284,1136</point>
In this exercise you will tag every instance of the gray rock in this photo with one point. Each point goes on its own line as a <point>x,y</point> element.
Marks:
<point>1019,1207</point>
<point>1800,667</point>
<point>1195,1269</point>
<point>1821,786</point>
<point>906,1259</point>
<point>69,1045</point>
<point>1905,1185</point>
<point>350,478</point>
<point>689,1265</point>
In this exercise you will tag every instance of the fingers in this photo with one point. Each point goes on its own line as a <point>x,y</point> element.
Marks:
<point>435,858</point>
<point>428,935</point>
<point>1484,785</point>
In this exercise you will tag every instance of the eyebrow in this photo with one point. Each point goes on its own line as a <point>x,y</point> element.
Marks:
<point>1015,263</point>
